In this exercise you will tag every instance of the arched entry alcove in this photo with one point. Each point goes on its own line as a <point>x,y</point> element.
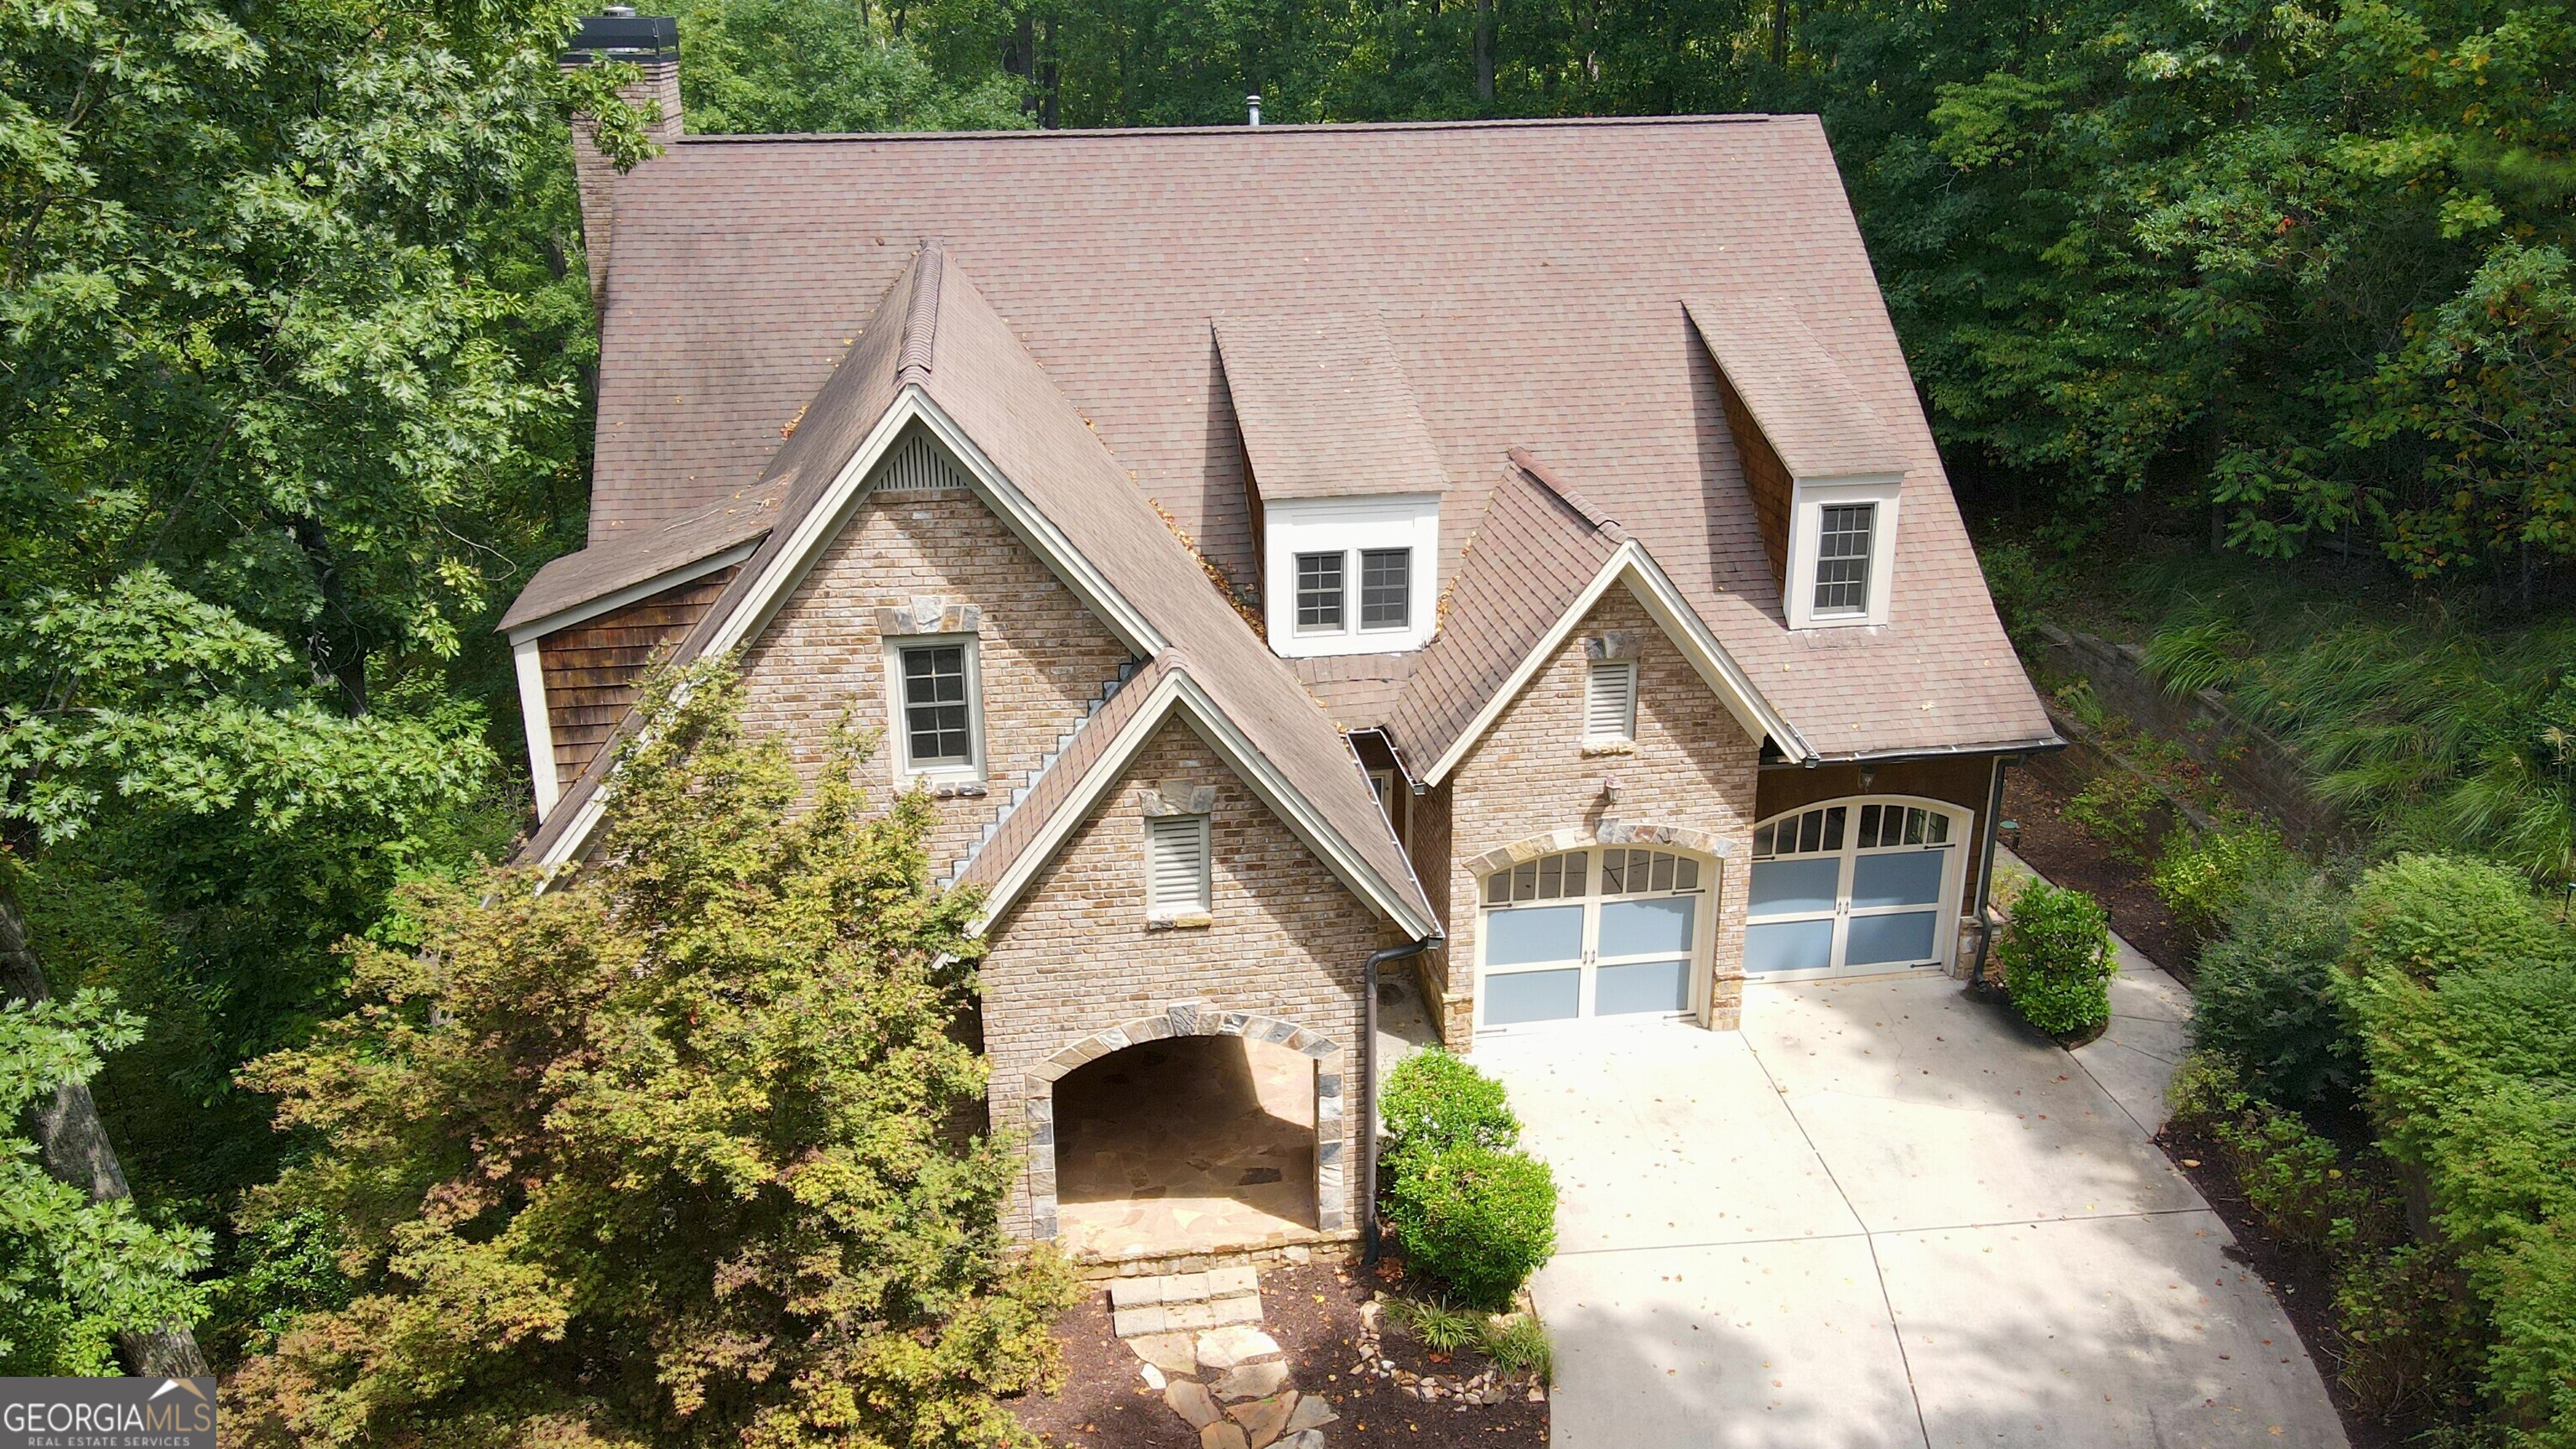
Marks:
<point>1196,1129</point>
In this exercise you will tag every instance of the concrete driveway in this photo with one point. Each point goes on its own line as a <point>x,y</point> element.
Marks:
<point>1883,1214</point>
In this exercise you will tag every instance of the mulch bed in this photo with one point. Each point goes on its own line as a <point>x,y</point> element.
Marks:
<point>2298,1284</point>
<point>1313,1311</point>
<point>2069,855</point>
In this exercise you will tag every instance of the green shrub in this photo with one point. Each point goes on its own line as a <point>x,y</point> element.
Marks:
<point>2403,1331</point>
<point>2293,1179</point>
<point>2428,914</point>
<point>1435,1325</point>
<point>1435,1099</point>
<point>1477,1219</point>
<point>2119,809</point>
<point>1518,1344</point>
<point>2204,1089</point>
<point>2268,994</point>
<point>2201,875</point>
<point>2022,587</point>
<point>2056,954</point>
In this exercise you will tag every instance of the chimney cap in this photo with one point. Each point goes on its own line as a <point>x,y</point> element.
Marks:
<point>621,34</point>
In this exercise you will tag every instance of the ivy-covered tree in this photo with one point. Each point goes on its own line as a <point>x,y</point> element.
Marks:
<point>668,1148</point>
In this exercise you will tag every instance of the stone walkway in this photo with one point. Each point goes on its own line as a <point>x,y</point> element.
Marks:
<point>1885,1214</point>
<point>1186,1144</point>
<point>1198,1338</point>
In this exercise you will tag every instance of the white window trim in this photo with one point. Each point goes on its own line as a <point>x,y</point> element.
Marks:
<point>1954,879</point>
<point>1595,670</point>
<point>899,738</point>
<point>1350,527</point>
<point>1199,907</point>
<point>1808,501</point>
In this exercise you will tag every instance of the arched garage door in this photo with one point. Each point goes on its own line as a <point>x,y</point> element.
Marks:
<point>1857,885</point>
<point>1592,933</point>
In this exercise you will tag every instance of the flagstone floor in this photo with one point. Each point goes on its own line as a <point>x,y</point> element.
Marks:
<point>1186,1144</point>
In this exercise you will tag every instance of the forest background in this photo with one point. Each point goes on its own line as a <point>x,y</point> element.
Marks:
<point>2271,300</point>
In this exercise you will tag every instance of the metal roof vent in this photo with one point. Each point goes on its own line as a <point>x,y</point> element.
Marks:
<point>1254,101</point>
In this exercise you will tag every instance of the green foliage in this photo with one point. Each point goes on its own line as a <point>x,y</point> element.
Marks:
<point>75,1273</point>
<point>2267,993</point>
<point>1519,1346</point>
<point>762,66</point>
<point>2055,949</point>
<point>282,1267</point>
<point>1477,1219</point>
<point>2203,875</point>
<point>1435,1325</point>
<point>684,1108</point>
<point>2405,1331</point>
<point>2428,915</point>
<point>2022,588</point>
<point>1435,1099</point>
<point>2120,809</point>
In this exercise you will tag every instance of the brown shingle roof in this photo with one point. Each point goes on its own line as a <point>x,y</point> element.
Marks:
<point>626,559</point>
<point>934,330</point>
<point>1817,418</point>
<point>1325,408</point>
<point>1530,277</point>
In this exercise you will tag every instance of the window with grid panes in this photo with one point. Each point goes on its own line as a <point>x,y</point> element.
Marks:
<point>1319,591</point>
<point>1386,588</point>
<point>1842,558</point>
<point>938,724</point>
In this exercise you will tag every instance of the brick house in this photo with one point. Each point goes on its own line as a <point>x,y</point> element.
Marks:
<point>1514,551</point>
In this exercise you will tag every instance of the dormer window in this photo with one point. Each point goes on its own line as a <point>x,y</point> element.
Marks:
<point>1350,575</point>
<point>1842,546</point>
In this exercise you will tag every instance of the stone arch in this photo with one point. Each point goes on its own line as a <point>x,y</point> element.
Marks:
<point>1611,832</point>
<point>1191,1018</point>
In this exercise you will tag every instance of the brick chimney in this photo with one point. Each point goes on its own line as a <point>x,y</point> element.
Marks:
<point>652,44</point>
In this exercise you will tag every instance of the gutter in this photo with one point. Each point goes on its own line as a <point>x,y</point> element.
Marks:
<point>1369,1236</point>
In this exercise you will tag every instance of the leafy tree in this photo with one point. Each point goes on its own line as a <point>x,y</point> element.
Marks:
<point>76,1273</point>
<point>664,1149</point>
<point>821,65</point>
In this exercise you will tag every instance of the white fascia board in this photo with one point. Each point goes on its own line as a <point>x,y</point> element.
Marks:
<point>577,835</point>
<point>633,593</point>
<point>538,723</point>
<point>1177,691</point>
<point>816,529</point>
<point>1631,563</point>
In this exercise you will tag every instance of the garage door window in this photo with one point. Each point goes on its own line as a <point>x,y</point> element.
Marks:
<point>1854,885</point>
<point>1589,933</point>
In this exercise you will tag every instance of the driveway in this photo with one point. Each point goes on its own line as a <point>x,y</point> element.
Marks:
<point>1883,1214</point>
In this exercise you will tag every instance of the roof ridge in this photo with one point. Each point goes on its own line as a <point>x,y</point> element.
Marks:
<point>921,319</point>
<point>1538,473</point>
<point>1273,130</point>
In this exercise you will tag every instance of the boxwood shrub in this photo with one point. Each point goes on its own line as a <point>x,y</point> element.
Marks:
<point>1433,1097</point>
<point>2056,954</point>
<point>1477,1219</point>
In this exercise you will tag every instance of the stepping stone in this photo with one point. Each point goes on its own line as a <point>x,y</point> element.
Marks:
<point>1241,1308</point>
<point>1191,1401</point>
<point>1312,1413</point>
<point>1262,1419</point>
<point>1139,1322</point>
<point>1223,1348</point>
<point>1170,1352</point>
<point>1223,1436</point>
<point>1252,1381</point>
<point>1152,1376</point>
<point>1229,1281</point>
<point>1306,1439</point>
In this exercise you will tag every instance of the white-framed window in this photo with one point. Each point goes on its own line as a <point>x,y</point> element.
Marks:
<point>1350,575</point>
<point>1176,866</point>
<point>1610,701</point>
<point>1319,593</point>
<point>937,705</point>
<point>1842,544</point>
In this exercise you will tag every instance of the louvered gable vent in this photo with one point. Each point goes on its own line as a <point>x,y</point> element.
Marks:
<point>1610,700</point>
<point>1176,865</point>
<point>917,466</point>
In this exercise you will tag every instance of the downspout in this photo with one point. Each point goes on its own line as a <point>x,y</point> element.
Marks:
<point>1986,873</point>
<point>1368,1094</point>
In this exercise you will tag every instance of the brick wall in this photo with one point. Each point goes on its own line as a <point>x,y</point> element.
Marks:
<point>1075,956</point>
<point>1044,658</point>
<point>1692,766</point>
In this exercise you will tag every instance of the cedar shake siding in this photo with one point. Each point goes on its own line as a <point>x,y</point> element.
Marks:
<point>1076,956</point>
<point>1765,477</point>
<point>593,668</point>
<point>1692,766</point>
<point>1044,662</point>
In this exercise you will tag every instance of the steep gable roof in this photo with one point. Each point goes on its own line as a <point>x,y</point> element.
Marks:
<point>742,263</point>
<point>935,355</point>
